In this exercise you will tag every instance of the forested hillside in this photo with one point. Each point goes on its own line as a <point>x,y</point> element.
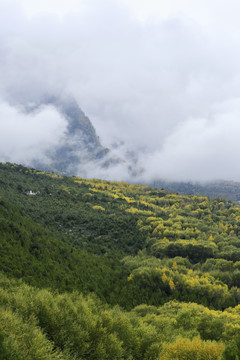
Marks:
<point>93,269</point>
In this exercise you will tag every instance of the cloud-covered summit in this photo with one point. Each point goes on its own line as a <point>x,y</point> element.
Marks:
<point>166,90</point>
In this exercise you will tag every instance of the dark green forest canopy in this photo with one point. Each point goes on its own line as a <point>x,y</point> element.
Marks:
<point>85,247</point>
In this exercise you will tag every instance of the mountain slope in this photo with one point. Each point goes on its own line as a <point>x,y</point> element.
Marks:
<point>31,252</point>
<point>172,262</point>
<point>80,144</point>
<point>114,220</point>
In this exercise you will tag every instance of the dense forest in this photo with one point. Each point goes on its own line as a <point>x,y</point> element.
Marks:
<point>99,270</point>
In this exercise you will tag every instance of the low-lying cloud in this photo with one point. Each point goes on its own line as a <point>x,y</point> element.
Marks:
<point>201,148</point>
<point>166,91</point>
<point>27,137</point>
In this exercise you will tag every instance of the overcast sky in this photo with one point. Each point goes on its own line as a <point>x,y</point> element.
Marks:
<point>162,78</point>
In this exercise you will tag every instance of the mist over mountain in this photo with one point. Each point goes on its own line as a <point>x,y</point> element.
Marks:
<point>79,144</point>
<point>77,148</point>
<point>160,85</point>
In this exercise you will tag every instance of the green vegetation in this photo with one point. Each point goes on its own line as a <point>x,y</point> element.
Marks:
<point>94,269</point>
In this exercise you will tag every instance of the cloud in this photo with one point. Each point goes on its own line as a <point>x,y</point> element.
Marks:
<point>24,137</point>
<point>201,149</point>
<point>165,87</point>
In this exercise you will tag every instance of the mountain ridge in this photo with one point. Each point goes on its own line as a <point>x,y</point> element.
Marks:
<point>80,144</point>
